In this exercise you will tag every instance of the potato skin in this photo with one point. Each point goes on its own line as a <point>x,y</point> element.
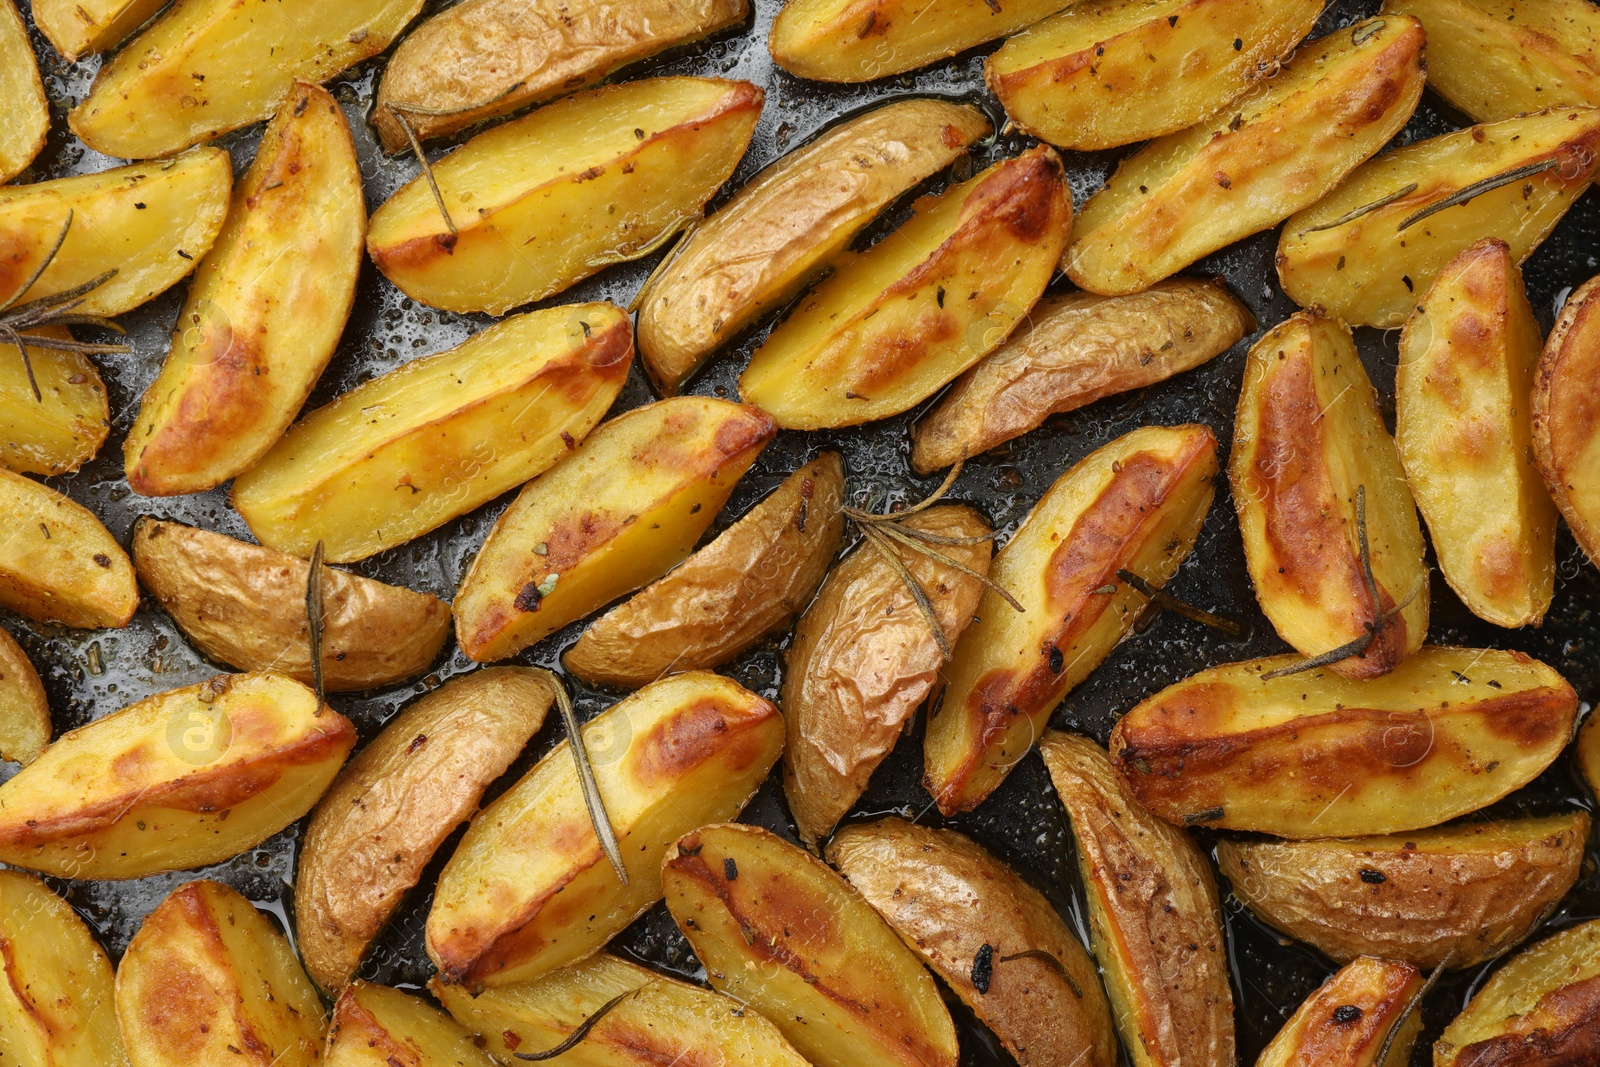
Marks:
<point>58,564</point>
<point>375,1026</point>
<point>749,582</point>
<point>24,711</point>
<point>1566,426</point>
<point>77,27</point>
<point>27,110</point>
<point>64,429</point>
<point>1318,1035</point>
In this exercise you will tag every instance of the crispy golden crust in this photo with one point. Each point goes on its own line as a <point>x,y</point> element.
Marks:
<point>58,563</point>
<point>1566,415</point>
<point>24,712</point>
<point>1347,1021</point>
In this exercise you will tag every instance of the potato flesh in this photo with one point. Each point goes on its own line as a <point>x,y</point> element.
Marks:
<point>1566,427</point>
<point>57,563</point>
<point>1321,1032</point>
<point>77,27</point>
<point>375,1026</point>
<point>27,111</point>
<point>65,427</point>
<point>1588,753</point>
<point>24,711</point>
<point>1135,504</point>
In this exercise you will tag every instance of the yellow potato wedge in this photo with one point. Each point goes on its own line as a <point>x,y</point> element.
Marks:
<point>1278,150</point>
<point>57,563</point>
<point>265,309</point>
<point>27,111</point>
<point>750,582</point>
<point>894,324</point>
<point>529,890</point>
<point>546,200</point>
<point>78,27</point>
<point>1154,916</point>
<point>375,1026</point>
<point>454,429</point>
<point>1135,504</point>
<point>65,427</point>
<point>993,938</point>
<point>1076,349</point>
<point>1110,72</point>
<point>778,930</point>
<point>1353,254</point>
<point>184,778</point>
<point>24,711</point>
<point>1587,751</point>
<point>1317,754</point>
<point>210,66</point>
<point>1566,415</point>
<point>208,979</point>
<point>618,513</point>
<point>1346,1022</point>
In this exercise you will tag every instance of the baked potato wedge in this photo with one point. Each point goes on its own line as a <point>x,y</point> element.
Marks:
<point>1276,151</point>
<point>1587,751</point>
<point>1566,433</point>
<point>376,1026</point>
<point>749,582</point>
<point>993,938</point>
<point>546,200</point>
<point>208,979</point>
<point>529,889</point>
<point>1315,475</point>
<point>1135,504</point>
<point>1076,349</point>
<point>65,427</point>
<point>27,111</point>
<point>621,511</point>
<point>78,27</point>
<point>780,931</point>
<point>24,711</point>
<point>1108,72</point>
<point>1364,252</point>
<point>894,324</point>
<point>182,779</point>
<point>57,563</point>
<point>1317,754</point>
<point>787,223</point>
<point>1347,1021</point>
<point>456,429</point>
<point>1154,916</point>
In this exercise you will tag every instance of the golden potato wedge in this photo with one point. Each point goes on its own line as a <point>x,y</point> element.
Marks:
<point>1109,73</point>
<point>755,577</point>
<point>1346,1022</point>
<point>1154,916</point>
<point>1566,419</point>
<point>863,658</point>
<point>208,979</point>
<point>787,224</point>
<point>1309,446</point>
<point>65,427</point>
<point>57,563</point>
<point>1540,1010</point>
<point>210,66</point>
<point>24,711</point>
<point>1317,754</point>
<point>1587,751</point>
<point>77,27</point>
<point>27,111</point>
<point>529,889</point>
<point>778,930</point>
<point>621,511</point>
<point>1135,504</point>
<point>1267,156</point>
<point>546,200</point>
<point>988,934</point>
<point>455,429</point>
<point>184,778</point>
<point>148,222</point>
<point>893,325</point>
<point>265,309</point>
<point>1076,349</point>
<point>1353,254</point>
<point>375,1026</point>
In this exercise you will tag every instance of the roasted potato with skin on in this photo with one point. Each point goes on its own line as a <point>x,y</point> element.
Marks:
<point>1347,1021</point>
<point>65,427</point>
<point>57,563</point>
<point>24,711</point>
<point>1566,428</point>
<point>77,27</point>
<point>27,111</point>
<point>375,1026</point>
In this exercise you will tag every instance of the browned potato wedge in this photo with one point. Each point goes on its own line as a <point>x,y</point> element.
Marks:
<point>1269,155</point>
<point>1110,72</point>
<point>988,934</point>
<point>897,322</point>
<point>24,711</point>
<point>57,563</point>
<point>620,512</point>
<point>206,975</point>
<point>1566,425</point>
<point>184,778</point>
<point>756,576</point>
<point>787,223</point>
<point>456,429</point>
<point>375,1026</point>
<point>1352,253</point>
<point>1316,754</point>
<point>65,427</point>
<point>27,111</point>
<point>778,930</point>
<point>1455,895</point>
<point>1076,349</point>
<point>77,27</point>
<point>546,200</point>
<point>1135,504</point>
<point>529,889</point>
<point>398,800</point>
<point>1346,1022</point>
<point>1154,916</point>
<point>1587,751</point>
<point>863,658</point>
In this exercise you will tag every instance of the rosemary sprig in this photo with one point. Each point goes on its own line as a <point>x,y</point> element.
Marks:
<point>599,818</point>
<point>1411,1006</point>
<point>1478,188</point>
<point>422,161</point>
<point>1157,595</point>
<point>573,1039</point>
<point>1364,209</point>
<point>316,618</point>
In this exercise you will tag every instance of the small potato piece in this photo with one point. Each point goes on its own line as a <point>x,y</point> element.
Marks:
<point>894,324</point>
<point>1154,916</point>
<point>976,924</point>
<point>749,582</point>
<point>1269,155</point>
<point>1317,754</point>
<point>1346,1022</point>
<point>787,223</point>
<point>456,429</point>
<point>778,930</point>
<point>65,427</point>
<point>57,563</point>
<point>375,1026</point>
<point>1587,751</point>
<point>546,200</point>
<point>182,779</point>
<point>1076,349</point>
<point>77,27</point>
<point>1566,415</point>
<point>208,979</point>
<point>1136,504</point>
<point>27,111</point>
<point>24,711</point>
